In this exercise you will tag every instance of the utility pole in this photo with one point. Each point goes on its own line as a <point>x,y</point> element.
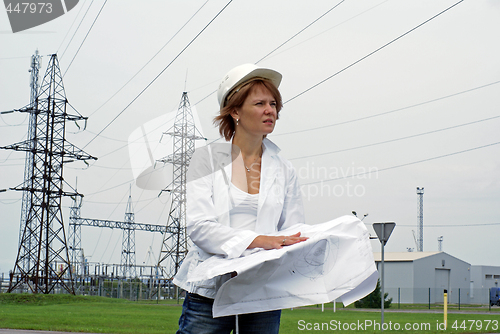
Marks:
<point>383,231</point>
<point>36,63</point>
<point>420,220</point>
<point>42,262</point>
<point>184,133</point>
<point>75,240</point>
<point>440,243</point>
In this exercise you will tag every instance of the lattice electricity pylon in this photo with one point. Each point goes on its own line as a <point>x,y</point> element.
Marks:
<point>36,62</point>
<point>128,242</point>
<point>184,133</point>
<point>75,230</point>
<point>42,262</point>
<point>75,239</point>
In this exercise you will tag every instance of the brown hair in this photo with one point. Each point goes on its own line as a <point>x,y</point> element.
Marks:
<point>235,100</point>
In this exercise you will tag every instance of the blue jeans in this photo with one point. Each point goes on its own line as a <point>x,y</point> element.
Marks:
<point>197,318</point>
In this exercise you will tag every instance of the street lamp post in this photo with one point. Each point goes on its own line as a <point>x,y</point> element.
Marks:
<point>364,216</point>
<point>383,231</point>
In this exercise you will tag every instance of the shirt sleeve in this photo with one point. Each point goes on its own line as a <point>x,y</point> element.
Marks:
<point>293,208</point>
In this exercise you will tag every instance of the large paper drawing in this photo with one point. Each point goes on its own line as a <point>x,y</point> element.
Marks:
<point>335,262</point>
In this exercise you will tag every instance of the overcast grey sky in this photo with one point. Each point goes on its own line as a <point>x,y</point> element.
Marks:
<point>438,85</point>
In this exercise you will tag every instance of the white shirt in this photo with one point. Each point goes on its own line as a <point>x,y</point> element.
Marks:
<point>243,215</point>
<point>208,208</point>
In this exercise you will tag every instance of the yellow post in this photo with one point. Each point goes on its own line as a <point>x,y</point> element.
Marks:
<point>445,298</point>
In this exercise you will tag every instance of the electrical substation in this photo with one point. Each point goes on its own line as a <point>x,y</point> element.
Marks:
<point>50,257</point>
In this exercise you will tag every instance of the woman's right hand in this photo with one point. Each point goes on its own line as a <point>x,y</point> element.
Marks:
<point>276,242</point>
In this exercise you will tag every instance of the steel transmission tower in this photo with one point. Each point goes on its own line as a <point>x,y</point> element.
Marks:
<point>128,243</point>
<point>184,133</point>
<point>36,62</point>
<point>420,220</point>
<point>42,262</point>
<point>75,239</point>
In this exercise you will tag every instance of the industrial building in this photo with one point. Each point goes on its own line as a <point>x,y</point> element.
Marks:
<point>482,278</point>
<point>422,277</point>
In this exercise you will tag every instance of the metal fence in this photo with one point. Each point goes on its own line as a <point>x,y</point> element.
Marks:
<point>435,296</point>
<point>131,289</point>
<point>159,288</point>
<point>101,284</point>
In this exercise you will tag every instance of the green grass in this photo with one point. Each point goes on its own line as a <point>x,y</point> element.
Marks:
<point>105,315</point>
<point>86,314</point>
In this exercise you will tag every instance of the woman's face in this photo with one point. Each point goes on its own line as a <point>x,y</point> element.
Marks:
<point>257,115</point>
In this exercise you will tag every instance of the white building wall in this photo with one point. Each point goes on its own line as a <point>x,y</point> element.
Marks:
<point>398,281</point>
<point>430,272</point>
<point>481,280</point>
<point>485,276</point>
<point>423,279</point>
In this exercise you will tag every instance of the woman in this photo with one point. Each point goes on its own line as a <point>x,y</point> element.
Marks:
<point>237,193</point>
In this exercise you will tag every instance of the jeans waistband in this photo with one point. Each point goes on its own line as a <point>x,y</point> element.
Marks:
<point>199,298</point>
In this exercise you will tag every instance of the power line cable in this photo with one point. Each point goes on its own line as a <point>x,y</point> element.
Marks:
<point>373,52</point>
<point>335,26</point>
<point>113,187</point>
<point>97,242</point>
<point>7,124</point>
<point>13,165</point>
<point>342,177</point>
<point>109,138</point>
<point>100,234</point>
<point>122,201</point>
<point>94,164</point>
<point>288,40</point>
<point>398,139</point>
<point>162,71</point>
<point>85,38</point>
<point>152,201</point>
<point>389,112</point>
<point>387,44</point>
<point>8,58</point>
<point>142,68</point>
<point>9,201</point>
<point>72,24</point>
<point>115,203</point>
<point>298,33</point>
<point>112,252</point>
<point>107,245</point>
<point>402,165</point>
<point>83,18</point>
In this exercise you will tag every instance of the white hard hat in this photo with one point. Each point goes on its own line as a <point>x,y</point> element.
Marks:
<point>243,73</point>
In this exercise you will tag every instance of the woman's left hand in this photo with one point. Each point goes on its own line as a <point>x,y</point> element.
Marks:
<point>276,242</point>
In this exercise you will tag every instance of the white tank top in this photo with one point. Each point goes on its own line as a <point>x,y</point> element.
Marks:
<point>243,215</point>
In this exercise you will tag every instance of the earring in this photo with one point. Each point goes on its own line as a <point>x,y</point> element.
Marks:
<point>236,122</point>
